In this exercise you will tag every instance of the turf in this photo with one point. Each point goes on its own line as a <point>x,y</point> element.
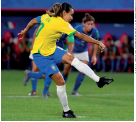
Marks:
<point>114,102</point>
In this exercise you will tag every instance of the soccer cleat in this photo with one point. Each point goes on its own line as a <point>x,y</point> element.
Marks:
<point>26,79</point>
<point>33,93</point>
<point>45,95</point>
<point>75,93</point>
<point>104,81</point>
<point>68,114</point>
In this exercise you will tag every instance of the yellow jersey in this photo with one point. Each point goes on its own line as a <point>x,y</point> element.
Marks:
<point>50,30</point>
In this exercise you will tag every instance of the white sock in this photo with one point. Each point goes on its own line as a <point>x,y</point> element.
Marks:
<point>80,66</point>
<point>61,92</point>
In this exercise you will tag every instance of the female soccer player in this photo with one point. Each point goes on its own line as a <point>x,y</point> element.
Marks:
<point>35,75</point>
<point>46,55</point>
<point>80,49</point>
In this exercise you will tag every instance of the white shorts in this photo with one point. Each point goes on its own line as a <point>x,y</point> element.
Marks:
<point>82,56</point>
<point>31,56</point>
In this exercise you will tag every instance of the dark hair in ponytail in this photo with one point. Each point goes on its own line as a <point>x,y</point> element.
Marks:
<point>57,9</point>
<point>87,18</point>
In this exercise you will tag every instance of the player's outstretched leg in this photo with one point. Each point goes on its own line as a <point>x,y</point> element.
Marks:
<point>104,81</point>
<point>80,66</point>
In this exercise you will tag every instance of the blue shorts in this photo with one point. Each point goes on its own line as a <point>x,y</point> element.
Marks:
<point>48,64</point>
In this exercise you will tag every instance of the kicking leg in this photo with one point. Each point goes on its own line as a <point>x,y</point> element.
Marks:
<point>80,66</point>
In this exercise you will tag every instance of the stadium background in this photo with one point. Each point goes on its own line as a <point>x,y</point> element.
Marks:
<point>114,17</point>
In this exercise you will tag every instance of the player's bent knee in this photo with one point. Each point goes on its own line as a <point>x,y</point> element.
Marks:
<point>67,58</point>
<point>58,79</point>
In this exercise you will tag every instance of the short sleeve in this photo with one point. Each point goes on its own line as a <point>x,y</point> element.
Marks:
<point>70,38</point>
<point>66,28</point>
<point>39,19</point>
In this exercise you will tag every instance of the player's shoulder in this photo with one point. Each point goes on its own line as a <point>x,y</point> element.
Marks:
<point>79,27</point>
<point>94,29</point>
<point>44,16</point>
<point>59,20</point>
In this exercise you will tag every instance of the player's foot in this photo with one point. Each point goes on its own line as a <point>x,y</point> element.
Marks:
<point>75,93</point>
<point>49,94</point>
<point>68,114</point>
<point>104,81</point>
<point>26,79</point>
<point>33,93</point>
<point>45,95</point>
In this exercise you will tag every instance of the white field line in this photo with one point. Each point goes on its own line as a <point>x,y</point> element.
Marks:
<point>81,116</point>
<point>73,95</point>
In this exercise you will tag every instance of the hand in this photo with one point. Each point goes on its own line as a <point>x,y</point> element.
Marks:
<point>94,60</point>
<point>101,46</point>
<point>22,33</point>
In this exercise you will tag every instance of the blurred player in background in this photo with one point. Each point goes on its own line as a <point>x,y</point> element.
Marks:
<point>125,53</point>
<point>46,55</point>
<point>80,49</point>
<point>5,55</point>
<point>109,54</point>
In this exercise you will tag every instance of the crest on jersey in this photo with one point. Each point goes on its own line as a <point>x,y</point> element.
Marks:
<point>53,67</point>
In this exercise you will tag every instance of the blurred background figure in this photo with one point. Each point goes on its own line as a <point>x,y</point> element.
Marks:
<point>126,51</point>
<point>21,53</point>
<point>109,54</point>
<point>5,55</point>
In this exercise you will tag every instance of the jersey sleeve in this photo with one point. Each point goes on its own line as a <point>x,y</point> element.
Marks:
<point>96,34</point>
<point>41,18</point>
<point>71,38</point>
<point>67,28</point>
<point>38,19</point>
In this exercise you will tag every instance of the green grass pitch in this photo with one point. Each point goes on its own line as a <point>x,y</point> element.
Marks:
<point>114,102</point>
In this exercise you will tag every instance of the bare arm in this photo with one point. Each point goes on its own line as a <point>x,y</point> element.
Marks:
<point>30,24</point>
<point>95,49</point>
<point>94,59</point>
<point>90,40</point>
<point>70,47</point>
